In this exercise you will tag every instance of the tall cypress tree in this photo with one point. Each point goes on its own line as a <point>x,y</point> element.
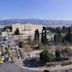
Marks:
<point>68,36</point>
<point>44,36</point>
<point>17,32</point>
<point>36,36</point>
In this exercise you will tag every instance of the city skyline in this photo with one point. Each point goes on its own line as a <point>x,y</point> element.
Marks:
<point>36,9</point>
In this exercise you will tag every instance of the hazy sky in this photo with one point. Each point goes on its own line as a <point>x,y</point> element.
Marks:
<point>37,9</point>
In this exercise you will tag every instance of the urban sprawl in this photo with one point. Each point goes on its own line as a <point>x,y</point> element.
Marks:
<point>36,48</point>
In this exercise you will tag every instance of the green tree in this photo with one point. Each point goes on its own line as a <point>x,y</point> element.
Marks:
<point>58,38</point>
<point>17,32</point>
<point>58,30</point>
<point>46,57</point>
<point>44,36</point>
<point>64,29</point>
<point>7,27</point>
<point>36,36</point>
<point>55,38</point>
<point>68,36</point>
<point>58,54</point>
<point>21,44</point>
<point>67,52</point>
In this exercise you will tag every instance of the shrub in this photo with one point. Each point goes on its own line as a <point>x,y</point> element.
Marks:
<point>46,57</point>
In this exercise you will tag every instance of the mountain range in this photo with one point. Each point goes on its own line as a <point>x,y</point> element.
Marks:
<point>50,23</point>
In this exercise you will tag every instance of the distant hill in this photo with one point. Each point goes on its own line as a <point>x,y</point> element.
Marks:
<point>53,23</point>
<point>23,21</point>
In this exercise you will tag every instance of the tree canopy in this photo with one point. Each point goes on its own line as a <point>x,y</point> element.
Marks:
<point>36,36</point>
<point>58,38</point>
<point>17,32</point>
<point>45,56</point>
<point>58,54</point>
<point>68,36</point>
<point>44,39</point>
